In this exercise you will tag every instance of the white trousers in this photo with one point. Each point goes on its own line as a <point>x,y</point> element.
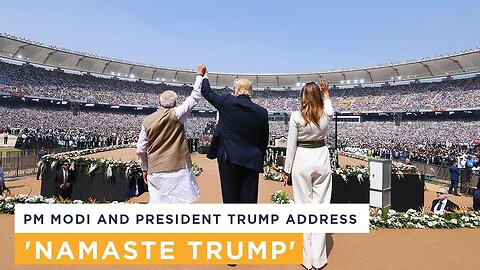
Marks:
<point>312,183</point>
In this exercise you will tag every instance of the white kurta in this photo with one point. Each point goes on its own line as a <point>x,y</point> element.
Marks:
<point>178,186</point>
<point>311,176</point>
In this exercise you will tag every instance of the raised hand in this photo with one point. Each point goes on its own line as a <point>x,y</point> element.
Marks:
<point>324,87</point>
<point>201,70</point>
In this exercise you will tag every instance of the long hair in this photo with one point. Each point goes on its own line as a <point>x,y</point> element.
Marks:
<point>311,103</point>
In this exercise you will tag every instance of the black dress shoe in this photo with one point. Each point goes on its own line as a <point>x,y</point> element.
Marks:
<point>450,192</point>
<point>232,265</point>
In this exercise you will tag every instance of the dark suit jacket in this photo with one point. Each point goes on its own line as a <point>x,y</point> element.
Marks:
<point>476,200</point>
<point>58,180</point>
<point>242,129</point>
<point>212,150</point>
<point>450,207</point>
<point>454,172</point>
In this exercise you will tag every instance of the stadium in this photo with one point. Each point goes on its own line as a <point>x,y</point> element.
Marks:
<point>433,102</point>
<point>422,114</point>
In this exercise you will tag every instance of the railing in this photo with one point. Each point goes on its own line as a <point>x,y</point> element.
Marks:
<point>23,162</point>
<point>468,180</point>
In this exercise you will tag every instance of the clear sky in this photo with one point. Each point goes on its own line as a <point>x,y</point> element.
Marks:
<point>250,36</point>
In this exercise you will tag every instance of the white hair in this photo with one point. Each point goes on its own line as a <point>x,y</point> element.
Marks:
<point>168,99</point>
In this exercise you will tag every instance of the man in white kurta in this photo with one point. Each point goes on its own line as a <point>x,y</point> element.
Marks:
<point>163,155</point>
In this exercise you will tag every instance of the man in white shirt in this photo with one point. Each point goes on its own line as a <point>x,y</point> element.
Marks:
<point>5,136</point>
<point>442,204</point>
<point>162,149</point>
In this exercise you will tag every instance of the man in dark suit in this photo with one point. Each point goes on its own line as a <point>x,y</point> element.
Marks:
<point>64,181</point>
<point>454,175</point>
<point>442,204</point>
<point>241,143</point>
<point>476,198</point>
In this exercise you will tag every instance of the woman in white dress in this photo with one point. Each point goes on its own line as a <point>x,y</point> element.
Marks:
<point>308,161</point>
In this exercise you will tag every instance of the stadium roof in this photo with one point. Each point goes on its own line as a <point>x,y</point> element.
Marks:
<point>21,49</point>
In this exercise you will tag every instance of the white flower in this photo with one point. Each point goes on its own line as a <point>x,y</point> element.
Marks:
<point>391,212</point>
<point>454,221</point>
<point>430,224</point>
<point>419,226</point>
<point>50,201</point>
<point>411,211</point>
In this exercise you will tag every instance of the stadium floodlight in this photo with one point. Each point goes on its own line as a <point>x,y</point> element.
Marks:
<point>362,80</point>
<point>132,76</point>
<point>341,82</point>
<point>348,81</point>
<point>163,79</point>
<point>158,79</point>
<point>174,80</point>
<point>298,84</point>
<point>118,74</point>
<point>19,57</point>
<point>399,77</point>
<point>113,73</point>
<point>355,81</point>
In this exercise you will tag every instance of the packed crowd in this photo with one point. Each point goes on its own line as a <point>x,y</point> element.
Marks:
<point>86,129</point>
<point>428,141</point>
<point>30,80</point>
<point>437,142</point>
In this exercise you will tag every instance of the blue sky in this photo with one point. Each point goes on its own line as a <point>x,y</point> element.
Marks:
<point>250,36</point>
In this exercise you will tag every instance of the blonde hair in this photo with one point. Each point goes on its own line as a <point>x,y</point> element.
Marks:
<point>242,87</point>
<point>311,103</point>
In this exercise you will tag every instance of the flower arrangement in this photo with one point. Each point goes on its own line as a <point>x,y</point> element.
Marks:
<point>361,172</point>
<point>7,204</point>
<point>333,158</point>
<point>402,168</point>
<point>197,169</point>
<point>92,164</point>
<point>76,158</point>
<point>274,172</point>
<point>281,197</point>
<point>356,155</point>
<point>390,219</point>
